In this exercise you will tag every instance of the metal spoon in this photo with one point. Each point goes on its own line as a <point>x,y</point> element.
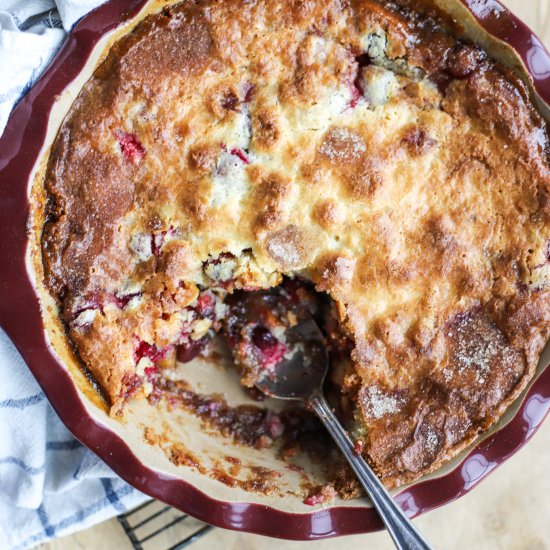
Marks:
<point>301,378</point>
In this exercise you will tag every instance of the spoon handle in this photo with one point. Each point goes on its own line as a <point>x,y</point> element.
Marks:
<point>404,534</point>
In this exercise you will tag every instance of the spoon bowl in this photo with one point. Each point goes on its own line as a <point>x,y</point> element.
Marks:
<point>304,372</point>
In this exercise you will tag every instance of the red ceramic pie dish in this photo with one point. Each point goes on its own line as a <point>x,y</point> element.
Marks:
<point>20,316</point>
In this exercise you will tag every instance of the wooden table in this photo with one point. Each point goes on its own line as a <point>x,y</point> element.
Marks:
<point>509,511</point>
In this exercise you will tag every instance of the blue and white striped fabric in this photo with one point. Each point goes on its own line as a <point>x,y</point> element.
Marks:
<point>50,485</point>
<point>31,32</point>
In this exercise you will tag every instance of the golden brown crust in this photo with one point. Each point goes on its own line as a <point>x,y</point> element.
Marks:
<point>359,145</point>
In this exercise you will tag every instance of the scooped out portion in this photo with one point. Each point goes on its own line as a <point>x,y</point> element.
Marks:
<point>258,326</point>
<point>372,169</point>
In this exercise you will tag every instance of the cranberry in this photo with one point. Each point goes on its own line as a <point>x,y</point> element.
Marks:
<point>326,494</point>
<point>144,349</point>
<point>240,154</point>
<point>157,240</point>
<point>187,351</point>
<point>230,102</point>
<point>356,85</point>
<point>205,304</point>
<point>263,339</point>
<point>271,349</point>
<point>150,372</point>
<point>313,500</point>
<point>249,92</point>
<point>122,300</point>
<point>131,147</point>
<point>274,424</point>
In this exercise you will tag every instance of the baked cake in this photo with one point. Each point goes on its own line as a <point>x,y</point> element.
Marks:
<point>232,165</point>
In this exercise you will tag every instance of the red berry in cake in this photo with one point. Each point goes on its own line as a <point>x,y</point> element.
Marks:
<point>230,102</point>
<point>150,351</point>
<point>240,154</point>
<point>157,240</point>
<point>249,92</point>
<point>187,351</point>
<point>131,147</point>
<point>144,349</point>
<point>356,85</point>
<point>205,304</point>
<point>274,424</point>
<point>322,496</point>
<point>122,300</point>
<point>271,349</point>
<point>150,372</point>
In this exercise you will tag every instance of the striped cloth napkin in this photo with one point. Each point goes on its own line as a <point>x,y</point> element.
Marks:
<point>31,32</point>
<point>50,484</point>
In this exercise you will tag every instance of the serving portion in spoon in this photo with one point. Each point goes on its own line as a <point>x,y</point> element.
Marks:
<point>300,377</point>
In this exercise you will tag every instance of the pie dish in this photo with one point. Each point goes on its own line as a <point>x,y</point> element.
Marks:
<point>336,148</point>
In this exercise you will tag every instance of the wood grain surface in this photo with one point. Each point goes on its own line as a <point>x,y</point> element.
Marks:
<point>509,511</point>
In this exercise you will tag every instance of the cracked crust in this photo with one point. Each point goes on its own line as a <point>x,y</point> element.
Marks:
<point>403,172</point>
